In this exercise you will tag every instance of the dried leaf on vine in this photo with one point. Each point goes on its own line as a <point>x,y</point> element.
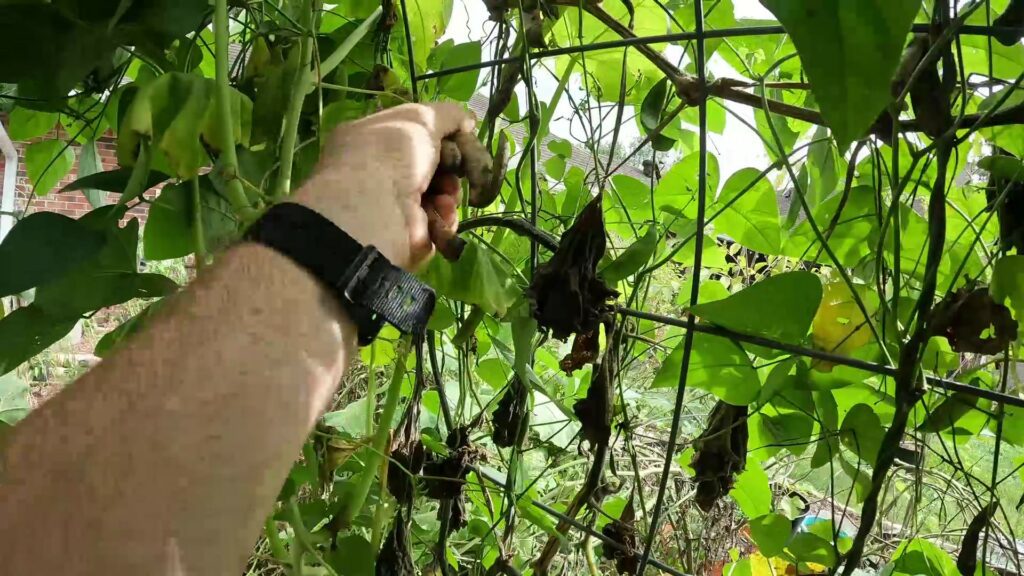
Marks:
<point>1009,213</point>
<point>407,450</point>
<point>566,294</point>
<point>511,74</point>
<point>509,418</point>
<point>446,476</point>
<point>929,95</point>
<point>1010,24</point>
<point>595,410</point>
<point>973,322</point>
<point>967,560</point>
<point>395,558</point>
<point>585,348</point>
<point>623,532</point>
<point>720,453</point>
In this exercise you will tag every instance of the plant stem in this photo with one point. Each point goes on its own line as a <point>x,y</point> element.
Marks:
<point>197,226</point>
<point>380,514</point>
<point>907,390</point>
<point>341,52</point>
<point>229,170</point>
<point>303,540</point>
<point>356,498</point>
<point>371,390</point>
<point>293,109</point>
<point>277,549</point>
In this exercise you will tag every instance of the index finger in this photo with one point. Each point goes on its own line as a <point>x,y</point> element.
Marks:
<point>440,118</point>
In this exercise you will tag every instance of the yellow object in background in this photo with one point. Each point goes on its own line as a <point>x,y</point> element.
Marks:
<point>839,326</point>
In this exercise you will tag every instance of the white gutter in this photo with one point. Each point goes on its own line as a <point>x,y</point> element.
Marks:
<point>7,193</point>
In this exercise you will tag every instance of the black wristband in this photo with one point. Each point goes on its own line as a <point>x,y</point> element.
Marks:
<point>368,286</point>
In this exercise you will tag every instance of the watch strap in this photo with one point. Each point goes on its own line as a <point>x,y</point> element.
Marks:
<point>367,285</point>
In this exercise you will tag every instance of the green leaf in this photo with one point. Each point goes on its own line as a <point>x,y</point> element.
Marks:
<point>112,339</point>
<point>751,491</point>
<point>921,557</point>
<point>1010,137</point>
<point>353,556</point>
<point>860,477</point>
<point>169,228</point>
<point>750,212</point>
<point>476,278</point>
<point>949,412</point>
<point>827,413</point>
<point>771,532</point>
<point>14,399</point>
<point>561,147</point>
<point>1013,425</point>
<point>1003,167</point>
<point>109,278</point>
<point>555,167</point>
<point>678,187</point>
<point>43,247</point>
<point>89,164</point>
<point>47,52</point>
<point>350,420</point>
<point>28,331</point>
<point>427,22</point>
<point>850,51</point>
<point>862,432</point>
<point>24,124</point>
<point>46,163</point>
<point>113,181</point>
<point>717,365</point>
<point>177,113</point>
<point>780,307</point>
<point>654,105</point>
<point>633,258</point>
<point>807,547</point>
<point>1007,285</point>
<point>460,87</point>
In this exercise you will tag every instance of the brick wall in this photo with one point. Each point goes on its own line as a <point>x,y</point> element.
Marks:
<point>73,204</point>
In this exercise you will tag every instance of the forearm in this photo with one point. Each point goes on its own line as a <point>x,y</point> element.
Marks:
<point>191,426</point>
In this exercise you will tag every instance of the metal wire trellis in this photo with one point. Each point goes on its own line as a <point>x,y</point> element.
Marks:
<point>699,35</point>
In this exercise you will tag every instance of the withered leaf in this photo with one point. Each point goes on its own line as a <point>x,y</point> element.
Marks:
<point>623,532</point>
<point>395,558</point>
<point>445,477</point>
<point>720,453</point>
<point>407,450</point>
<point>1010,212</point>
<point>967,560</point>
<point>509,418</point>
<point>585,348</point>
<point>566,294</point>
<point>595,410</point>
<point>973,322</point>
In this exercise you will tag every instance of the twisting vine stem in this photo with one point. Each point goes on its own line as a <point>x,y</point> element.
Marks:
<point>354,500</point>
<point>293,109</point>
<point>907,390</point>
<point>702,184</point>
<point>229,159</point>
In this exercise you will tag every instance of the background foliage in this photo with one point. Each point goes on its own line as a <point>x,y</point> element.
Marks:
<point>810,362</point>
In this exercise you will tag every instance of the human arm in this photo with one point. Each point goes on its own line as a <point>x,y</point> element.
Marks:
<point>167,456</point>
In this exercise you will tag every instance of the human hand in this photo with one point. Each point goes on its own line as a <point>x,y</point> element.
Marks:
<point>374,177</point>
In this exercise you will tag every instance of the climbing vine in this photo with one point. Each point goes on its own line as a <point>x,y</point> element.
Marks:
<point>777,333</point>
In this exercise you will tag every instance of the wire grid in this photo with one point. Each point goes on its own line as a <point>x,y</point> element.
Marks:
<point>691,327</point>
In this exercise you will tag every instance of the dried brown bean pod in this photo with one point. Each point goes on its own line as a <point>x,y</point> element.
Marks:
<point>477,167</point>
<point>499,164</point>
<point>451,157</point>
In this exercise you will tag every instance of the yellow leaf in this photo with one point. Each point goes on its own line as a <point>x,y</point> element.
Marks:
<point>839,326</point>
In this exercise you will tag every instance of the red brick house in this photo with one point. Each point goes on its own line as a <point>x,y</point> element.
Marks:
<point>72,204</point>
